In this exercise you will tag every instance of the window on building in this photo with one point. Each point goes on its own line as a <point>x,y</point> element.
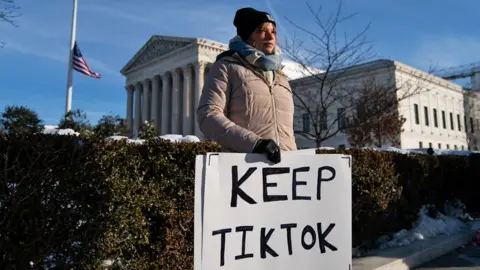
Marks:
<point>361,113</point>
<point>420,145</point>
<point>459,123</point>
<point>465,123</point>
<point>472,127</point>
<point>451,121</point>
<point>430,145</point>
<point>448,146</point>
<point>463,147</point>
<point>425,111</point>
<point>306,122</point>
<point>444,120</point>
<point>342,124</point>
<point>455,147</point>
<point>435,120</point>
<point>323,120</point>
<point>439,146</point>
<point>417,118</point>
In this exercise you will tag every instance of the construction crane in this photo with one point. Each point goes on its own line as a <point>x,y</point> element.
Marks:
<point>471,70</point>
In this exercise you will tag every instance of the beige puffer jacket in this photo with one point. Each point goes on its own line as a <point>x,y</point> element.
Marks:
<point>238,107</point>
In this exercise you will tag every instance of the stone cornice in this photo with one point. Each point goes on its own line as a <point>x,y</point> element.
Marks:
<point>180,42</point>
<point>161,58</point>
<point>383,63</point>
<point>201,43</point>
<point>206,43</point>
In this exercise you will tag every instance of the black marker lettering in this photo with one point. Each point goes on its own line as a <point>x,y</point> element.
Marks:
<point>264,247</point>
<point>308,229</point>
<point>296,183</point>
<point>222,233</point>
<point>322,242</point>
<point>272,171</point>
<point>236,190</point>
<point>244,229</point>
<point>289,235</point>
<point>320,179</point>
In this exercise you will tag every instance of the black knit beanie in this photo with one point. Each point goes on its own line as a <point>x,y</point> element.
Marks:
<point>248,19</point>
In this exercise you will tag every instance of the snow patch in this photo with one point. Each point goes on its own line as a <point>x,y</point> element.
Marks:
<point>168,137</point>
<point>54,130</point>
<point>426,227</point>
<point>437,152</point>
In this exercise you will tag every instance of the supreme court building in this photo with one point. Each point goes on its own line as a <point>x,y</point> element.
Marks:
<point>164,80</point>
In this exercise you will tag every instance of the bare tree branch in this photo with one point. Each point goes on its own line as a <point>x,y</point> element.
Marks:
<point>8,14</point>
<point>332,60</point>
<point>471,107</point>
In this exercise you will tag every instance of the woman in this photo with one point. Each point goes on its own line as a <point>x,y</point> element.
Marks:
<point>246,103</point>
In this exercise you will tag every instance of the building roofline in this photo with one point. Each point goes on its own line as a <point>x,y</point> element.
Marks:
<point>192,40</point>
<point>379,64</point>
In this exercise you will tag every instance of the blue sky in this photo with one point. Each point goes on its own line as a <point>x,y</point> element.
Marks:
<point>33,63</point>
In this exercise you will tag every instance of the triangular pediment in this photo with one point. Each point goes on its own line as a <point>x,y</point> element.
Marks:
<point>156,47</point>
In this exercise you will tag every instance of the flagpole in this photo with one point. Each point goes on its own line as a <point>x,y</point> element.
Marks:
<point>68,106</point>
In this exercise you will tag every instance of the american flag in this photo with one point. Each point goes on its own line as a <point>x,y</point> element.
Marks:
<point>80,65</point>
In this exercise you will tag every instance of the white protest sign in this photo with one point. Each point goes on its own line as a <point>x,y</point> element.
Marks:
<point>206,167</point>
<point>292,215</point>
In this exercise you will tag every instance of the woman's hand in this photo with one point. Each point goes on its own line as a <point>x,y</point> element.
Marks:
<point>270,149</point>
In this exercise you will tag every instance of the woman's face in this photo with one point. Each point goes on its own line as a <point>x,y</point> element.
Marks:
<point>264,38</point>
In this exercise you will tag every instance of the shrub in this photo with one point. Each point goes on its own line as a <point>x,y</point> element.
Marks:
<point>74,203</point>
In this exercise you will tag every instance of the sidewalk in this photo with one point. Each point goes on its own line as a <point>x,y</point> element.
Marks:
<point>467,257</point>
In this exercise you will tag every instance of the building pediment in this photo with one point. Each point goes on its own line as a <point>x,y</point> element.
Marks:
<point>155,48</point>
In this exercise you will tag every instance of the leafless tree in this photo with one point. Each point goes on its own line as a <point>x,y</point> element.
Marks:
<point>472,118</point>
<point>330,59</point>
<point>8,13</point>
<point>378,121</point>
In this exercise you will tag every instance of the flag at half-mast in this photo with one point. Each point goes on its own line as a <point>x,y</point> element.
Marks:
<point>80,65</point>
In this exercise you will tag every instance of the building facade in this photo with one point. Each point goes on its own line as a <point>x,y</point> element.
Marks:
<point>164,80</point>
<point>438,113</point>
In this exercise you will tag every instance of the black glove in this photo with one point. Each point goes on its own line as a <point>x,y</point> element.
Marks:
<point>269,148</point>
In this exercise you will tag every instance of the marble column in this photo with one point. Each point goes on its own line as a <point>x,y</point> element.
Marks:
<point>145,101</point>
<point>138,111</point>
<point>129,108</point>
<point>199,77</point>
<point>175,109</point>
<point>155,94</point>
<point>187,101</point>
<point>166,105</point>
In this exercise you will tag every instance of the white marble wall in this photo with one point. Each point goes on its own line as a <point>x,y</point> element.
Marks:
<point>169,99</point>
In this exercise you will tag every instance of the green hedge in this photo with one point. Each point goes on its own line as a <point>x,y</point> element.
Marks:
<point>74,203</point>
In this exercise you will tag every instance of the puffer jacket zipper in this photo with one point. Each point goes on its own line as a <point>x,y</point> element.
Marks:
<point>277,139</point>
<point>270,87</point>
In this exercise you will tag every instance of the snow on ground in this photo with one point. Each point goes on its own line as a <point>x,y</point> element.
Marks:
<point>423,228</point>
<point>454,220</point>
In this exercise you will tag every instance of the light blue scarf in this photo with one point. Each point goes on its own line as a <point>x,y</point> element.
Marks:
<point>271,62</point>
